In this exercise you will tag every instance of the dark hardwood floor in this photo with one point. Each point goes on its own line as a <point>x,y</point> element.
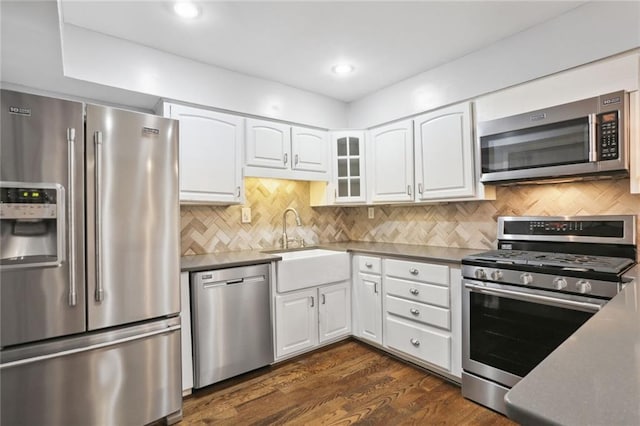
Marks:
<point>346,383</point>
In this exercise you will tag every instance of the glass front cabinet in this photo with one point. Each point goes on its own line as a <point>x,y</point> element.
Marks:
<point>349,172</point>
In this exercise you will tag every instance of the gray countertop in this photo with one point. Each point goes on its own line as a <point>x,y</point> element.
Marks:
<point>248,257</point>
<point>409,251</point>
<point>593,378</point>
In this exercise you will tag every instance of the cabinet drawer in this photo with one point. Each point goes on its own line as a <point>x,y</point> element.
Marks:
<point>372,265</point>
<point>419,342</point>
<point>420,312</point>
<point>417,271</point>
<point>418,292</point>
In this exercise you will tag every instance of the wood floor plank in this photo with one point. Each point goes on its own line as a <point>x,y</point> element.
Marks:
<point>344,384</point>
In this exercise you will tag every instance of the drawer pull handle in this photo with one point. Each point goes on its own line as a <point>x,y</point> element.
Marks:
<point>413,271</point>
<point>414,291</point>
<point>415,342</point>
<point>414,311</point>
<point>368,264</point>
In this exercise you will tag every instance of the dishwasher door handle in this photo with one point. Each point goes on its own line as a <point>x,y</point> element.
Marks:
<point>238,281</point>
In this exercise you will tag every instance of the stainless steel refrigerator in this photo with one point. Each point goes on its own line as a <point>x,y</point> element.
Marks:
<point>89,264</point>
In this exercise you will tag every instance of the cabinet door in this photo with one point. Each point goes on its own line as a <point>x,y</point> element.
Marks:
<point>296,322</point>
<point>444,153</point>
<point>310,149</point>
<point>334,309</point>
<point>390,162</point>
<point>210,155</point>
<point>368,307</point>
<point>268,144</point>
<point>349,167</point>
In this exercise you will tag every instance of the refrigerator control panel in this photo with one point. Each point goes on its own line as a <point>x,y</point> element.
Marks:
<point>28,203</point>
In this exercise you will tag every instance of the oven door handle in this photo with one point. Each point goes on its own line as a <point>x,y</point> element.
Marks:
<point>528,297</point>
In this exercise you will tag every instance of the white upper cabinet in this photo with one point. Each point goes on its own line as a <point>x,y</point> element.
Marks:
<point>349,172</point>
<point>310,149</point>
<point>390,163</point>
<point>444,154</point>
<point>210,155</point>
<point>278,150</point>
<point>268,144</point>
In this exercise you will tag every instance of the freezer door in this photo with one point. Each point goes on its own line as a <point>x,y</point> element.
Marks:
<point>133,245</point>
<point>41,259</point>
<point>126,377</point>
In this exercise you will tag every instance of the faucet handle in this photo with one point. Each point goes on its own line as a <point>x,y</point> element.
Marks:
<point>301,242</point>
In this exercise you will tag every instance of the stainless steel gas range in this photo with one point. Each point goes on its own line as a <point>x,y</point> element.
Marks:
<point>520,302</point>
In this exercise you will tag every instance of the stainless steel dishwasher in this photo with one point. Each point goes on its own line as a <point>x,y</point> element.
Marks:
<point>232,331</point>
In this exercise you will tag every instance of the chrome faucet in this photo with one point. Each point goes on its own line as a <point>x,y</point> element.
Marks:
<point>285,239</point>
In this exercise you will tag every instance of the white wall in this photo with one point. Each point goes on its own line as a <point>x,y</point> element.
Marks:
<point>108,70</point>
<point>621,72</point>
<point>590,32</point>
<point>98,58</point>
<point>31,59</point>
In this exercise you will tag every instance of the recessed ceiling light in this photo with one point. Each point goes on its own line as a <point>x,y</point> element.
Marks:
<point>186,9</point>
<point>342,69</point>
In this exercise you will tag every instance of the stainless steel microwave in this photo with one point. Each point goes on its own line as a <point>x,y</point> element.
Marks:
<point>587,138</point>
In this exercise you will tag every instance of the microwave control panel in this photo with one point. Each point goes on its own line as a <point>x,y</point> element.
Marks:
<point>608,136</point>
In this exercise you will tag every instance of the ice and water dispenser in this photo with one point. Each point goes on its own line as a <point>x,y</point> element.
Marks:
<point>32,225</point>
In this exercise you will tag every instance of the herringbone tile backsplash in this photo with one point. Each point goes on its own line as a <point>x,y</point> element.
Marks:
<point>210,229</point>
<point>466,224</point>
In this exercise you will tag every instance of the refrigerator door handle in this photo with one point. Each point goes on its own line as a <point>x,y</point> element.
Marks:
<point>71,157</point>
<point>99,295</point>
<point>89,348</point>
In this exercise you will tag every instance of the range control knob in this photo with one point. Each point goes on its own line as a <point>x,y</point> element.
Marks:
<point>559,283</point>
<point>496,275</point>
<point>526,278</point>
<point>583,286</point>
<point>480,274</point>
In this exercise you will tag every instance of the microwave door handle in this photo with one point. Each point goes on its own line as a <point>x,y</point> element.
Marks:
<point>535,298</point>
<point>593,146</point>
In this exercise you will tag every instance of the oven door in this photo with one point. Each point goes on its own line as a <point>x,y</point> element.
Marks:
<point>507,330</point>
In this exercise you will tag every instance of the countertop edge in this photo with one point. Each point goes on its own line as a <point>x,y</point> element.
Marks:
<point>451,255</point>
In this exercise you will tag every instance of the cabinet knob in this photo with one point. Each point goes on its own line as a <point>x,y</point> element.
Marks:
<point>415,342</point>
<point>286,158</point>
<point>420,188</point>
<point>409,190</point>
<point>414,291</point>
<point>295,159</point>
<point>414,311</point>
<point>368,264</point>
<point>413,271</point>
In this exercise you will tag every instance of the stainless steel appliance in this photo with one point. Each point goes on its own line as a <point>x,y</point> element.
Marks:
<point>588,138</point>
<point>89,264</point>
<point>231,322</point>
<point>520,302</point>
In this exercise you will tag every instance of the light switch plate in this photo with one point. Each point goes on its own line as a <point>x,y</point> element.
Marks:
<point>370,213</point>
<point>246,215</point>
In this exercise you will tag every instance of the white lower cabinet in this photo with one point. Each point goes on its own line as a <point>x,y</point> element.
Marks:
<point>367,306</point>
<point>418,341</point>
<point>307,318</point>
<point>296,322</point>
<point>421,313</point>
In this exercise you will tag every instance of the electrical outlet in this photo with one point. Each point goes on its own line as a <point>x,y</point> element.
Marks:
<point>246,215</point>
<point>370,213</point>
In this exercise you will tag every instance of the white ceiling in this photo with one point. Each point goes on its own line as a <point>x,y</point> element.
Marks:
<point>297,43</point>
